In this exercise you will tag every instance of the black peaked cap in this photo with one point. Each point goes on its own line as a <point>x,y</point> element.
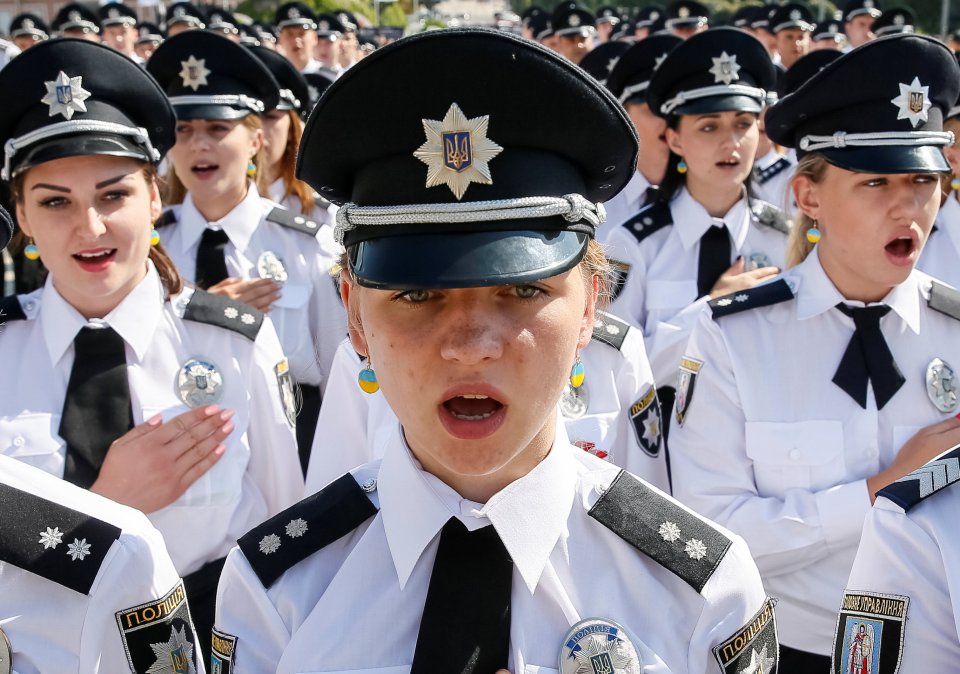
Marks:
<point>630,78</point>
<point>294,90</point>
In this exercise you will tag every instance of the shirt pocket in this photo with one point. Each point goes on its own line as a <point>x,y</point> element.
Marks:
<point>35,440</point>
<point>221,484</point>
<point>663,295</point>
<point>799,455</point>
<point>293,296</point>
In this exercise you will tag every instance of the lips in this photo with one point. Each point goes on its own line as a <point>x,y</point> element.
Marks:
<point>95,259</point>
<point>472,407</point>
<point>728,163</point>
<point>902,246</point>
<point>204,169</point>
<point>472,411</point>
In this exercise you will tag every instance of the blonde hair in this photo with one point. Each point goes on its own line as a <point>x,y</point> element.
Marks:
<point>812,167</point>
<point>288,167</point>
<point>174,191</point>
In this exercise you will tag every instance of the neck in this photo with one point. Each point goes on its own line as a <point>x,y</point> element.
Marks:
<point>652,171</point>
<point>717,201</point>
<point>215,207</point>
<point>90,306</point>
<point>848,283</point>
<point>273,172</point>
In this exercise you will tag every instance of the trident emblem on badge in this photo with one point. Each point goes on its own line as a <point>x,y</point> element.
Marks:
<point>456,150</point>
<point>179,661</point>
<point>916,101</point>
<point>64,94</point>
<point>601,664</point>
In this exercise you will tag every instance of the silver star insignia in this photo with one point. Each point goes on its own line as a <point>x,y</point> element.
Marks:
<point>175,656</point>
<point>194,72</point>
<point>725,68</point>
<point>457,151</point>
<point>51,538</point>
<point>725,302</point>
<point>78,549</point>
<point>269,544</point>
<point>669,531</point>
<point>231,312</point>
<point>695,549</point>
<point>651,429</point>
<point>65,95</point>
<point>296,528</point>
<point>913,102</point>
<point>759,662</point>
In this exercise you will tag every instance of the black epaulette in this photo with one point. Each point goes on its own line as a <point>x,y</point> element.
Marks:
<point>50,540</point>
<point>320,202</point>
<point>168,217</point>
<point>285,218</point>
<point>287,539</point>
<point>909,490</point>
<point>763,295</point>
<point>658,527</point>
<point>769,216</point>
<point>764,176</point>
<point>610,330</point>
<point>653,217</point>
<point>945,299</point>
<point>10,309</point>
<point>218,310</point>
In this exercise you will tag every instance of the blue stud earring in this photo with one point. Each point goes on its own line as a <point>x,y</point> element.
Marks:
<point>681,167</point>
<point>577,373</point>
<point>31,252</point>
<point>367,379</point>
<point>813,234</point>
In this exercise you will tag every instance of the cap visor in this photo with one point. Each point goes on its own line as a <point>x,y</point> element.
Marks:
<point>209,111</point>
<point>465,260</point>
<point>922,159</point>
<point>78,146</point>
<point>731,103</point>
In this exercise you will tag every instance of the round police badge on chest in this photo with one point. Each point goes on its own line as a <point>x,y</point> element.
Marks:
<point>574,401</point>
<point>199,382</point>
<point>270,266</point>
<point>598,646</point>
<point>6,654</point>
<point>757,260</point>
<point>941,385</point>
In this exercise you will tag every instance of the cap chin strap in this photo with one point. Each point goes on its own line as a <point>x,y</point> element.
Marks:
<point>716,90</point>
<point>69,128</point>
<point>230,100</point>
<point>573,208</point>
<point>842,139</point>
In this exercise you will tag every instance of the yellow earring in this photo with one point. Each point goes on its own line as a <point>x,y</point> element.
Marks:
<point>577,373</point>
<point>367,379</point>
<point>31,252</point>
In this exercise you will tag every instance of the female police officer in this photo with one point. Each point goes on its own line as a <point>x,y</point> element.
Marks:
<point>482,540</point>
<point>801,398</point>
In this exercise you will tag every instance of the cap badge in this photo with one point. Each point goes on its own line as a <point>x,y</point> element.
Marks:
<point>868,4</point>
<point>658,61</point>
<point>27,23</point>
<point>913,102</point>
<point>457,151</point>
<point>113,13</point>
<point>654,16</point>
<point>65,95</point>
<point>194,73</point>
<point>180,11</point>
<point>725,68</point>
<point>898,20</point>
<point>573,20</point>
<point>293,13</point>
<point>795,15</point>
<point>74,16</point>
<point>683,12</point>
<point>324,25</point>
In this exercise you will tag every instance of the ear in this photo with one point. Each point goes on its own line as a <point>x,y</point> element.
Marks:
<point>350,293</point>
<point>807,195</point>
<point>156,203</point>
<point>673,141</point>
<point>256,142</point>
<point>589,314</point>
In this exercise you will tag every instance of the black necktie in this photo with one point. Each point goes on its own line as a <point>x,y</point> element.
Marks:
<point>466,619</point>
<point>868,357</point>
<point>96,410</point>
<point>714,258</point>
<point>649,196</point>
<point>211,264</point>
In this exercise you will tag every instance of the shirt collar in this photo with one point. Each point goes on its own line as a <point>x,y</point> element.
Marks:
<point>634,191</point>
<point>692,220</point>
<point>135,318</point>
<point>817,294</point>
<point>529,514</point>
<point>239,224</point>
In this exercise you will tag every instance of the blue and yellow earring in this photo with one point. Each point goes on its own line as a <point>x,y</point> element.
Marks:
<point>154,237</point>
<point>955,184</point>
<point>31,252</point>
<point>681,167</point>
<point>367,379</point>
<point>577,373</point>
<point>251,169</point>
<point>813,234</point>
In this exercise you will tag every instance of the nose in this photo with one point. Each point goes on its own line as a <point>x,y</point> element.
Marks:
<point>471,335</point>
<point>92,225</point>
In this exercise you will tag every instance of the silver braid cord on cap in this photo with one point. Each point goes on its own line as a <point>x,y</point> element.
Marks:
<point>573,208</point>
<point>841,139</point>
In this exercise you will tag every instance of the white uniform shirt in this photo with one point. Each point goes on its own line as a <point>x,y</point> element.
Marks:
<point>53,628</point>
<point>320,215</point>
<point>258,475</point>
<point>775,189</point>
<point>772,449</point>
<point>624,205</point>
<point>618,424</point>
<point>913,555</point>
<point>660,293</point>
<point>308,317</point>
<point>356,605</point>
<point>941,254</point>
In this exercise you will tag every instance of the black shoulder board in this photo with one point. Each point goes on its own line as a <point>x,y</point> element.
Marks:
<point>769,215</point>
<point>218,310</point>
<point>909,490</point>
<point>287,539</point>
<point>657,526</point>
<point>945,299</point>
<point>320,201</point>
<point>610,330</point>
<point>61,544</point>
<point>168,217</point>
<point>651,218</point>
<point>10,310</point>
<point>282,216</point>
<point>759,296</point>
<point>776,168</point>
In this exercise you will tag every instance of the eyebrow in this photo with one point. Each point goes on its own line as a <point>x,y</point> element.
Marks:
<point>66,190</point>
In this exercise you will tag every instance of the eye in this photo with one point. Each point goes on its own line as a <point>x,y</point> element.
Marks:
<point>527,292</point>
<point>413,296</point>
<point>53,202</point>
<point>924,178</point>
<point>707,128</point>
<point>875,182</point>
<point>183,128</point>
<point>114,195</point>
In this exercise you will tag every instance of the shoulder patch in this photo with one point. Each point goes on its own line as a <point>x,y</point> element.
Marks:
<point>656,526</point>
<point>10,309</point>
<point>218,310</point>
<point>282,216</point>
<point>168,217</point>
<point>159,635</point>
<point>222,652</point>
<point>50,540</point>
<point>610,330</point>
<point>926,481</point>
<point>763,295</point>
<point>653,217</point>
<point>769,216</point>
<point>763,176</point>
<point>869,635</point>
<point>945,299</point>
<point>755,646</point>
<point>288,538</point>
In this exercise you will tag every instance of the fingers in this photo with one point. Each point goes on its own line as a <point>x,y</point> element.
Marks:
<point>201,466</point>
<point>140,430</point>
<point>224,285</point>
<point>218,426</point>
<point>260,293</point>
<point>947,427</point>
<point>184,422</point>
<point>195,452</point>
<point>737,267</point>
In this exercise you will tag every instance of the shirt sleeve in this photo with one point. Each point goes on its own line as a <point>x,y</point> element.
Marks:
<point>629,304</point>
<point>713,474</point>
